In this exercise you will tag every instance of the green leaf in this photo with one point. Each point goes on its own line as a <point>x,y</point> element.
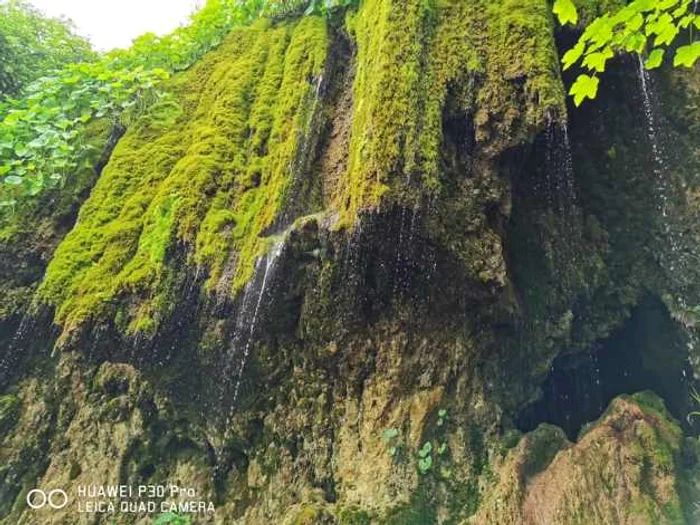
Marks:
<point>666,36</point>
<point>634,23</point>
<point>655,59</point>
<point>596,61</point>
<point>635,43</point>
<point>389,434</point>
<point>566,12</point>
<point>426,450</point>
<point>686,21</point>
<point>681,10</point>
<point>643,5</point>
<point>687,55</point>
<point>585,87</point>
<point>442,449</point>
<point>599,32</point>
<point>13,180</point>
<point>425,464</point>
<point>21,151</point>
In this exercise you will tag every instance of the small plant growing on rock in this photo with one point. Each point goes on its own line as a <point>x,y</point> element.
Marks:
<point>425,461</point>
<point>172,518</point>
<point>430,453</point>
<point>390,439</point>
<point>695,413</point>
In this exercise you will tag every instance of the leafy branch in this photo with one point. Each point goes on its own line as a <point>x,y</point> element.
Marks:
<point>648,27</point>
<point>42,135</point>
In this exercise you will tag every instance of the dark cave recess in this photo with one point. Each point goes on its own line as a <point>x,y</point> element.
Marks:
<point>648,352</point>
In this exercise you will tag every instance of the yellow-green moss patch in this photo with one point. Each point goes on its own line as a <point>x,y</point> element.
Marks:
<point>495,60</point>
<point>215,181</point>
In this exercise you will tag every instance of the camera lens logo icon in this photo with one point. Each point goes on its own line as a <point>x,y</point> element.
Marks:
<point>55,499</point>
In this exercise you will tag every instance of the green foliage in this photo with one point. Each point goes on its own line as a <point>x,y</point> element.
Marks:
<point>687,55</point>
<point>646,27</point>
<point>180,49</point>
<point>33,45</point>
<point>584,87</point>
<point>425,458</point>
<point>442,416</point>
<point>390,438</point>
<point>565,11</point>
<point>172,518</point>
<point>41,134</point>
<point>429,455</point>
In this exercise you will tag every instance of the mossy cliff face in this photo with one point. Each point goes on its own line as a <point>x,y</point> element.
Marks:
<point>215,181</point>
<point>360,236</point>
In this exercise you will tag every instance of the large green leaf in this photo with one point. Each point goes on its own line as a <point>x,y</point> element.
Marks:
<point>655,59</point>
<point>585,87</point>
<point>572,55</point>
<point>596,61</point>
<point>566,12</point>
<point>687,55</point>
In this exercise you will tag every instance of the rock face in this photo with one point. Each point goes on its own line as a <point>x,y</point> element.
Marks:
<point>623,469</point>
<point>364,277</point>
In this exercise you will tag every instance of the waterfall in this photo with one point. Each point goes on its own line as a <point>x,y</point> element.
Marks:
<point>246,324</point>
<point>404,251</point>
<point>560,199</point>
<point>674,256</point>
<point>19,345</point>
<point>678,257</point>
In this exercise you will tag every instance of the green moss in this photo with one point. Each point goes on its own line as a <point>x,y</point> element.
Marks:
<point>353,516</point>
<point>215,181</point>
<point>420,510</point>
<point>414,57</point>
<point>308,515</point>
<point>544,443</point>
<point>9,412</point>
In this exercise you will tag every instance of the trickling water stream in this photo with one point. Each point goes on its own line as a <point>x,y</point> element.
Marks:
<point>246,324</point>
<point>554,197</point>
<point>674,255</point>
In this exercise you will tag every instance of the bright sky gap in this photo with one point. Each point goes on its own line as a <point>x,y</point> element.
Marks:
<point>110,24</point>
